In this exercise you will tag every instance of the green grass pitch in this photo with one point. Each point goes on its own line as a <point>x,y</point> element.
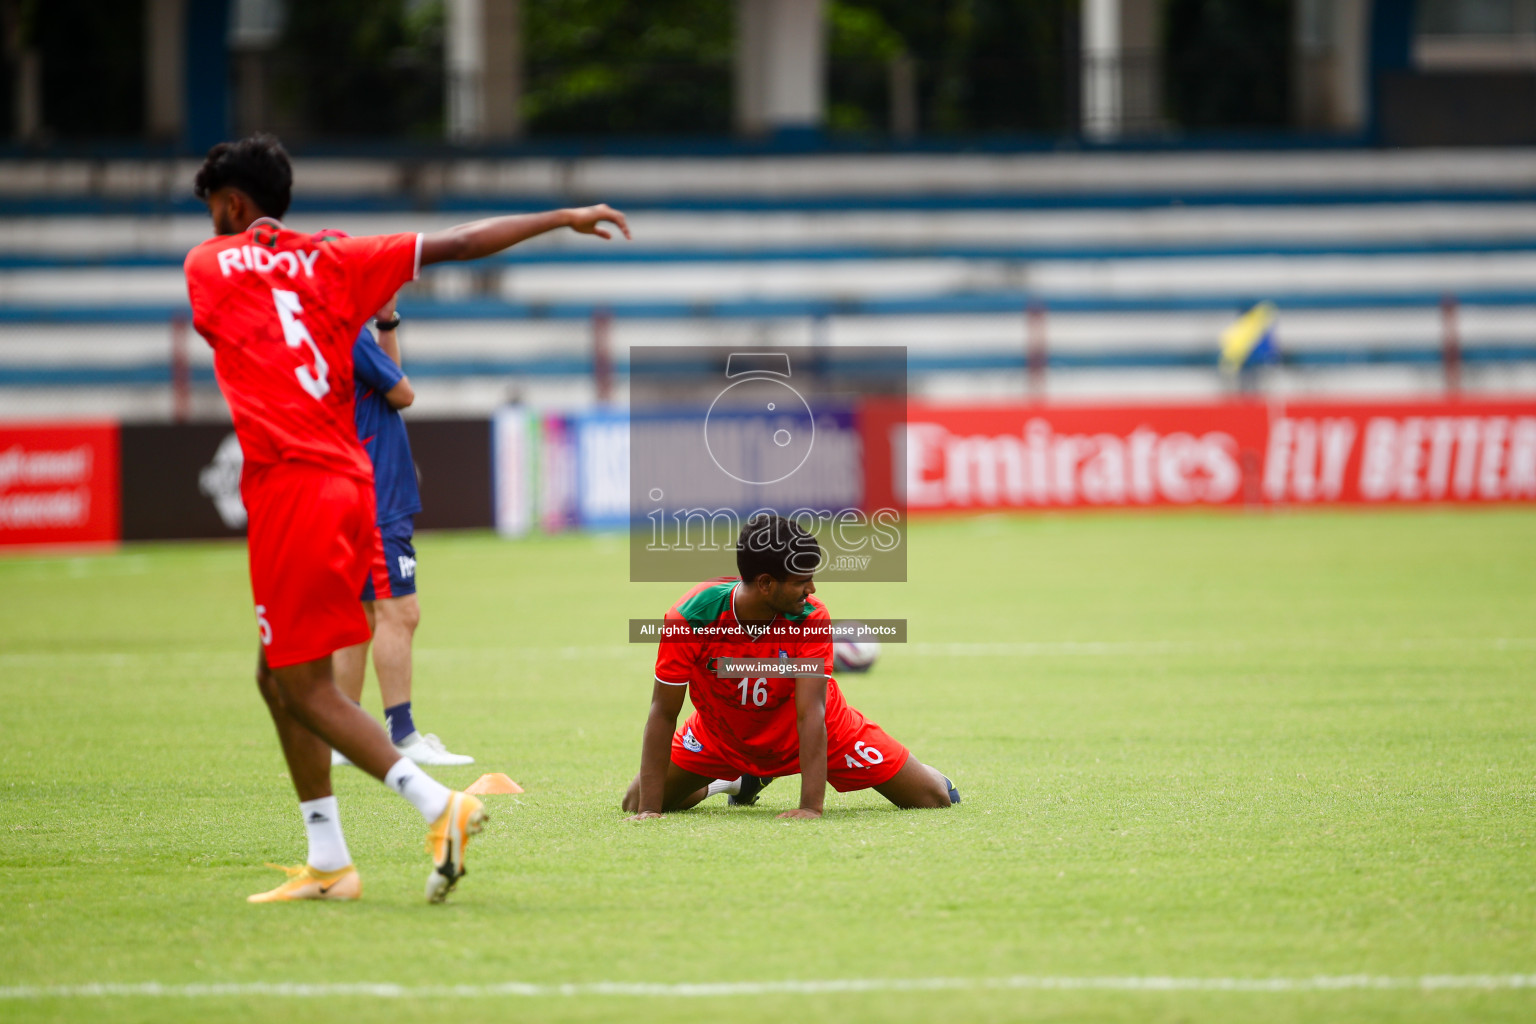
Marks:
<point>1190,746</point>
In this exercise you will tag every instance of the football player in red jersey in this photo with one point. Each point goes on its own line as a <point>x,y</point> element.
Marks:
<point>281,310</point>
<point>762,727</point>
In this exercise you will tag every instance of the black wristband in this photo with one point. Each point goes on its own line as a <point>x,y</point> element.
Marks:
<point>387,325</point>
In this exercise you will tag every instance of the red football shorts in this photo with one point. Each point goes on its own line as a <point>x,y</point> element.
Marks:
<point>861,756</point>
<point>312,540</point>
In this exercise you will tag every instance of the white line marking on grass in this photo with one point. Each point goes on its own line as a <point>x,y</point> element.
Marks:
<point>725,989</point>
<point>1007,649</point>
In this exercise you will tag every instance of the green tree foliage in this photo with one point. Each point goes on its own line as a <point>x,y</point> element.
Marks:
<point>361,68</point>
<point>375,68</point>
<point>982,65</point>
<point>597,66</point>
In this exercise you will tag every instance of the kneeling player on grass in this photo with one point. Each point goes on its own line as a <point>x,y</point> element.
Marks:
<point>752,730</point>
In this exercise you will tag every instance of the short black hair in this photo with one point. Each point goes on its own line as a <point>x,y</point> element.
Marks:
<point>258,166</point>
<point>780,547</point>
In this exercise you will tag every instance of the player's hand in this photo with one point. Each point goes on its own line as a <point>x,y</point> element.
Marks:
<point>644,816</point>
<point>589,220</point>
<point>801,812</point>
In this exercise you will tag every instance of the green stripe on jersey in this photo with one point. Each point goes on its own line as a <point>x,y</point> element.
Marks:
<point>707,605</point>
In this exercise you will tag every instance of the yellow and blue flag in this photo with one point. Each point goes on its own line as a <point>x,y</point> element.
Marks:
<point>1251,339</point>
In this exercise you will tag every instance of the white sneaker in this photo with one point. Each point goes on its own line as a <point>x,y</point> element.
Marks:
<point>339,760</point>
<point>428,749</point>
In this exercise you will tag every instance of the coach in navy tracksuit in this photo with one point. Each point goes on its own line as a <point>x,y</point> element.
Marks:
<point>389,595</point>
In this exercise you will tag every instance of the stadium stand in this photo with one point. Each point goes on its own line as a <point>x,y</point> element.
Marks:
<point>1120,268</point>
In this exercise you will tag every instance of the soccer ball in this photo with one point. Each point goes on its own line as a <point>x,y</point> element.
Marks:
<point>854,655</point>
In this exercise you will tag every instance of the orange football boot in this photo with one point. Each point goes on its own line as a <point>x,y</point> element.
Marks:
<point>306,883</point>
<point>446,839</point>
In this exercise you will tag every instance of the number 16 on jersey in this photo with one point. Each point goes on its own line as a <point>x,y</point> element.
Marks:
<point>759,691</point>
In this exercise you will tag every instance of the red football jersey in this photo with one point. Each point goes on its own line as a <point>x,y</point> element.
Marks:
<point>281,310</point>
<point>755,716</point>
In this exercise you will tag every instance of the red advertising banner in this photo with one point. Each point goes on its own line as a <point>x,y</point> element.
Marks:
<point>975,457</point>
<point>59,483</point>
<point>1402,452</point>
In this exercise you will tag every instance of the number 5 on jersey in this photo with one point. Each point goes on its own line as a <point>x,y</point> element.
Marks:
<point>297,335</point>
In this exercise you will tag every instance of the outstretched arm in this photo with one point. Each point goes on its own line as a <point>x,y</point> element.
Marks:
<point>484,237</point>
<point>656,748</point>
<point>811,715</point>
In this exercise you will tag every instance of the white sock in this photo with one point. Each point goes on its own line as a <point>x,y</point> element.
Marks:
<point>322,823</point>
<point>425,793</point>
<point>730,786</point>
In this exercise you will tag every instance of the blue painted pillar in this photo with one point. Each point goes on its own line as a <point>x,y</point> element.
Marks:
<point>207,73</point>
